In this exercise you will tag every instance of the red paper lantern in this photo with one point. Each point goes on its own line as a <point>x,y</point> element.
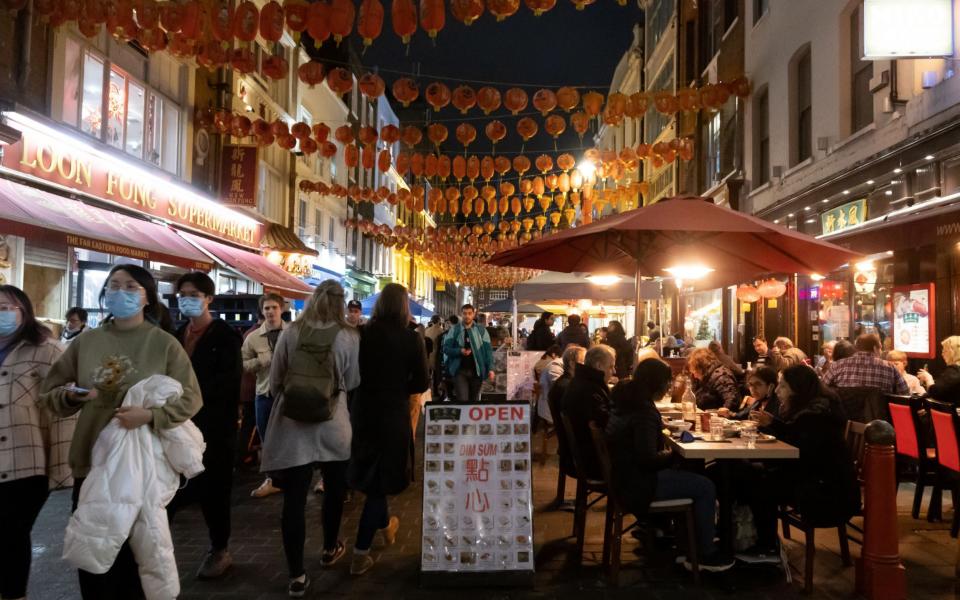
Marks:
<point>390,134</point>
<point>464,98</point>
<point>466,11</point>
<point>515,100</point>
<point>370,23</point>
<point>403,14</point>
<point>771,288</point>
<point>555,125</point>
<point>488,98</point>
<point>495,131</point>
<point>275,67</point>
<point>747,293</point>
<point>501,9</point>
<point>405,90</point>
<point>296,14</point>
<point>318,22</point>
<point>271,21</point>
<point>411,135</point>
<point>437,95</point>
<point>527,128</point>
<point>437,133</point>
<point>540,6</point>
<point>246,21</point>
<point>371,85</point>
<point>466,133</point>
<point>310,73</point>
<point>432,16</point>
<point>342,15</point>
<point>340,81</point>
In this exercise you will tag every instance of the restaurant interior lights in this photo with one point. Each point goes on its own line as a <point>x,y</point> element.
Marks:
<point>603,280</point>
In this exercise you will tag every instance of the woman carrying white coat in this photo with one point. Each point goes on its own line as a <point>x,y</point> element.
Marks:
<point>294,447</point>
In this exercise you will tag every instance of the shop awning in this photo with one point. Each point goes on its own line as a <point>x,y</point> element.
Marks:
<point>283,239</point>
<point>254,266</point>
<point>30,212</point>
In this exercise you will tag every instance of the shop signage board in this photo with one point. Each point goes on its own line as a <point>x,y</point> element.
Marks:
<point>913,320</point>
<point>844,216</point>
<point>914,29</point>
<point>238,175</point>
<point>477,501</point>
<point>50,155</point>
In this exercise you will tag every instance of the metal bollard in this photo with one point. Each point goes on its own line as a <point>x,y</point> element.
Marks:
<point>880,574</point>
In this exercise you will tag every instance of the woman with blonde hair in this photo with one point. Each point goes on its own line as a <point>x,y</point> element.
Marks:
<point>947,385</point>
<point>315,364</point>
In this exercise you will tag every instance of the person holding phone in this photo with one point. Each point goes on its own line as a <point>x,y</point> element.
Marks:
<point>29,462</point>
<point>131,345</point>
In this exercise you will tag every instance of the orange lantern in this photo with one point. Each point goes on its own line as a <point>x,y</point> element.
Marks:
<point>665,103</point>
<point>340,81</point>
<point>368,135</point>
<point>405,89</point>
<point>221,22</point>
<point>527,128</point>
<point>521,164</point>
<point>430,165</point>
<point>555,125</point>
<point>464,98</point>
<point>580,121</point>
<point>369,156</point>
<point>286,141</point>
<point>592,103</point>
<point>344,134</point>
<point>437,133</point>
<point>432,16</point>
<point>637,105</point>
<point>614,110</point>
<point>502,165</point>
<point>370,22</point>
<point>501,9</point>
<point>740,87</point>
<point>416,164</point>
<point>295,14</point>
<point>581,4</point>
<point>242,60</point>
<point>411,135</point>
<point>274,67</point>
<point>246,21</point>
<point>488,98</point>
<point>466,11</point>
<point>371,85</point>
<point>544,163</point>
<point>443,166</point>
<point>300,130</point>
<point>540,6</point>
<point>403,163</point>
<point>403,14</point>
<point>271,21</point>
<point>495,131</point>
<point>466,133</point>
<point>688,100</point>
<point>473,168</point>
<point>515,100</point>
<point>545,101</point>
<point>487,168</point>
<point>459,167</point>
<point>390,134</point>
<point>437,95</point>
<point>318,22</point>
<point>747,293</point>
<point>566,162</point>
<point>342,15</point>
<point>568,98</point>
<point>771,288</point>
<point>310,73</point>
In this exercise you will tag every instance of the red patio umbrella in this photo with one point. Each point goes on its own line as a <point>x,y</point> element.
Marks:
<point>679,231</point>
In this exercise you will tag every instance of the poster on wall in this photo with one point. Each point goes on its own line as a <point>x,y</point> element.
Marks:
<point>520,376</point>
<point>913,324</point>
<point>836,322</point>
<point>477,501</point>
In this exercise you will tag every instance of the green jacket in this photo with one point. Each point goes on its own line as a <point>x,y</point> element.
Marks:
<point>479,344</point>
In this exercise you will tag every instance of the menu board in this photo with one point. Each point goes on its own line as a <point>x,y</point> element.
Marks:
<point>913,320</point>
<point>477,502</point>
<point>520,375</point>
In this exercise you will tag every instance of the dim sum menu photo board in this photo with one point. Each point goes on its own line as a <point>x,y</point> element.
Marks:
<point>477,501</point>
<point>914,329</point>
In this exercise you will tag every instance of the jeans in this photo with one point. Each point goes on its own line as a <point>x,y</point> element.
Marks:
<point>121,582</point>
<point>375,515</point>
<point>467,385</point>
<point>263,405</point>
<point>295,482</point>
<point>20,503</point>
<point>673,484</point>
<point>212,490</point>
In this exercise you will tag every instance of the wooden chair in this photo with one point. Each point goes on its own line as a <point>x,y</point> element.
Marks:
<point>946,427</point>
<point>585,487</point>
<point>614,531</point>
<point>913,447</point>
<point>565,461</point>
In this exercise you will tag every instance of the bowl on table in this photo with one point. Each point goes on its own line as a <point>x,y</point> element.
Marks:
<point>677,427</point>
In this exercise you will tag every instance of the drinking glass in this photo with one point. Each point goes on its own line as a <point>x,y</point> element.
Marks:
<point>716,428</point>
<point>749,434</point>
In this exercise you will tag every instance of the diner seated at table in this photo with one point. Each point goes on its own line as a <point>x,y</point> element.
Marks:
<point>947,385</point>
<point>841,350</point>
<point>713,384</point>
<point>866,369</point>
<point>784,354</point>
<point>898,359</point>
<point>725,359</point>
<point>643,464</point>
<point>826,359</point>
<point>822,484</point>
<point>762,383</point>
<point>586,399</point>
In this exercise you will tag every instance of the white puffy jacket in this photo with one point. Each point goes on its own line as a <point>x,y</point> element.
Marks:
<point>134,475</point>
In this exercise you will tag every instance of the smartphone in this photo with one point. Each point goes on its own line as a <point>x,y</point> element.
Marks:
<point>76,390</point>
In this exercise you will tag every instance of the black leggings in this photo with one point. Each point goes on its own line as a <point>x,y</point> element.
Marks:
<point>295,483</point>
<point>212,490</point>
<point>20,503</point>
<point>121,582</point>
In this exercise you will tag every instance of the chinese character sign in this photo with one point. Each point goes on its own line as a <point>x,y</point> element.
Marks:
<point>238,175</point>
<point>477,502</point>
<point>844,217</point>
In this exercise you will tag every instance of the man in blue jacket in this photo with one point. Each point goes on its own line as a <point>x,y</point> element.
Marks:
<point>469,356</point>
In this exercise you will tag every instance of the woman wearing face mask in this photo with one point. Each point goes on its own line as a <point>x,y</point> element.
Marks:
<point>92,376</point>
<point>27,468</point>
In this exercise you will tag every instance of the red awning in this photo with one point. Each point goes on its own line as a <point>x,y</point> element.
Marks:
<point>254,266</point>
<point>34,213</point>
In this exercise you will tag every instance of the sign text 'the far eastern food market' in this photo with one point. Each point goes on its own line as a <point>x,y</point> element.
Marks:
<point>43,156</point>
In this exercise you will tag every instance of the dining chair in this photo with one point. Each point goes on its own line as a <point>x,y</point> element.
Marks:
<point>946,426</point>
<point>855,437</point>
<point>585,487</point>
<point>913,447</point>
<point>613,530</point>
<point>565,460</point>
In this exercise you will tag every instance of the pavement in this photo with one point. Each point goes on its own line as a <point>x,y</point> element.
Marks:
<point>259,571</point>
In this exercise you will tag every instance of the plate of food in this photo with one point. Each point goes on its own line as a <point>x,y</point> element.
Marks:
<point>763,438</point>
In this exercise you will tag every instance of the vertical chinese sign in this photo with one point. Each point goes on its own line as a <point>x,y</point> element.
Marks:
<point>477,501</point>
<point>238,175</point>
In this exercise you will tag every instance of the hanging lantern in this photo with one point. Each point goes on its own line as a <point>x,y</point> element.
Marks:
<point>443,166</point>
<point>403,15</point>
<point>581,4</point>
<point>566,162</point>
<point>473,168</point>
<point>432,16</point>
<point>540,6</point>
<point>437,95</point>
<point>637,105</point>
<point>592,103</point>
<point>665,103</point>
<point>344,134</point>
<point>300,130</point>
<point>545,101</point>
<point>340,81</point>
<point>437,133</point>
<point>246,21</point>
<point>487,168</point>
<point>390,134</point>
<point>526,128</point>
<point>371,85</point>
<point>747,293</point>
<point>488,98</point>
<point>771,288</point>
<point>544,163</point>
<point>459,167</point>
<point>271,21</point>
<point>464,98</point>
<point>370,21</point>
<point>515,100</point>
<point>405,90</point>
<point>688,100</point>
<point>310,73</point>
<point>403,163</point>
<point>171,14</point>
<point>466,133</point>
<point>278,128</point>
<point>146,12</point>
<point>367,135</point>
<point>740,87</point>
<point>580,121</point>
<point>342,15</point>
<point>521,164</point>
<point>242,60</point>
<point>295,14</point>
<point>466,11</point>
<point>154,40</point>
<point>308,146</point>
<point>555,125</point>
<point>502,165</point>
<point>568,98</point>
<point>417,164</point>
<point>614,110</point>
<point>274,67</point>
<point>318,22</point>
<point>351,156</point>
<point>286,141</point>
<point>501,9</point>
<point>411,135</point>
<point>328,149</point>
<point>495,131</point>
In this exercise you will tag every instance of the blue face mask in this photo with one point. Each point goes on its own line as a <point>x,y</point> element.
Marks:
<point>8,322</point>
<point>123,304</point>
<point>190,307</point>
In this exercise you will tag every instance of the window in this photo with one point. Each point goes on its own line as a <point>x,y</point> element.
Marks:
<point>655,121</point>
<point>804,110</point>
<point>498,295</point>
<point>317,224</point>
<point>861,100</point>
<point>761,139</point>
<point>722,13</point>
<point>332,224</point>
<point>760,8</point>
<point>303,218</point>
<point>659,18</point>
<point>713,150</point>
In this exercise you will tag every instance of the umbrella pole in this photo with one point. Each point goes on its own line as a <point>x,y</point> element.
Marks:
<point>637,316</point>
<point>513,323</point>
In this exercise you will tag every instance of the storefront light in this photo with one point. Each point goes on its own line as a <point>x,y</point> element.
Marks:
<point>898,170</point>
<point>929,157</point>
<point>846,192</point>
<point>870,182</point>
<point>603,279</point>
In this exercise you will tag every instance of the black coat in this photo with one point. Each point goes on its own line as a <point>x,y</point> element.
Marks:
<point>573,334</point>
<point>541,338</point>
<point>637,451</point>
<point>624,351</point>
<point>947,386</point>
<point>555,399</point>
<point>218,365</point>
<point>586,399</point>
<point>392,367</point>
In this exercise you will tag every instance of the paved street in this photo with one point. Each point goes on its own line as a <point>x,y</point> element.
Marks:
<point>259,572</point>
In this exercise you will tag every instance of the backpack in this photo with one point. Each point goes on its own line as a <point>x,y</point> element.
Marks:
<point>311,383</point>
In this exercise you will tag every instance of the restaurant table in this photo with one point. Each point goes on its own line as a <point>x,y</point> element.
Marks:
<point>723,453</point>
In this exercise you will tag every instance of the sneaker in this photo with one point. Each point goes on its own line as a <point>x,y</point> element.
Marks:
<point>361,563</point>
<point>298,587</point>
<point>266,489</point>
<point>390,531</point>
<point>215,564</point>
<point>759,555</point>
<point>714,563</point>
<point>329,557</point>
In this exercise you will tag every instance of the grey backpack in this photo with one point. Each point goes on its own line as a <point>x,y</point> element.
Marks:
<point>310,385</point>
